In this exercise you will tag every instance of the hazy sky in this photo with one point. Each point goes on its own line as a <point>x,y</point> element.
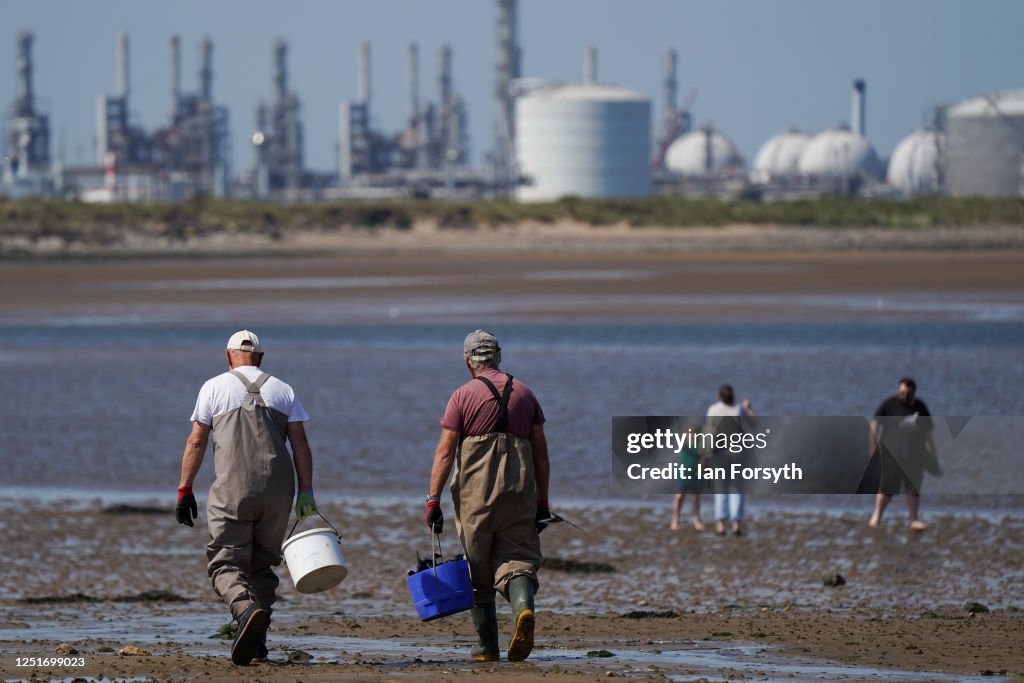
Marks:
<point>760,66</point>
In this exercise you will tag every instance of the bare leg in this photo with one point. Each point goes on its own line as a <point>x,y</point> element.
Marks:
<point>695,519</point>
<point>736,512</point>
<point>913,505</point>
<point>675,511</point>
<point>881,502</point>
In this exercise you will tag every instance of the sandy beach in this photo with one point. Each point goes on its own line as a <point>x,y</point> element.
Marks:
<point>652,285</point>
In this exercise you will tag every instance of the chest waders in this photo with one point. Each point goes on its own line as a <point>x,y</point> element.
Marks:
<point>250,500</point>
<point>495,496</point>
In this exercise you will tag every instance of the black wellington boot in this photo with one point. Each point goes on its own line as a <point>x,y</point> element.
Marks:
<point>520,594</point>
<point>252,628</point>
<point>485,620</point>
<point>261,651</point>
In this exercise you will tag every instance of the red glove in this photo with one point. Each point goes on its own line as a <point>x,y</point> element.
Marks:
<point>186,510</point>
<point>435,518</point>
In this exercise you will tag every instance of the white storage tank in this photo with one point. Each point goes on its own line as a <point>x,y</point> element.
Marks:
<point>985,137</point>
<point>704,152</point>
<point>780,156</point>
<point>586,140</point>
<point>839,153</point>
<point>914,164</point>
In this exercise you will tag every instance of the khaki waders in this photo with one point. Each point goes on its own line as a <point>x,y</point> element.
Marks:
<point>495,496</point>
<point>250,500</point>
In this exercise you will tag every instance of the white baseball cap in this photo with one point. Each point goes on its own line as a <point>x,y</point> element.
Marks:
<point>244,340</point>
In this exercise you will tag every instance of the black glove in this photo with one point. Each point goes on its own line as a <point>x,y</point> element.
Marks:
<point>435,518</point>
<point>186,510</point>
<point>543,512</point>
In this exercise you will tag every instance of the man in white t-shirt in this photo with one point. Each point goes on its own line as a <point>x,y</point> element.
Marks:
<point>726,417</point>
<point>250,417</point>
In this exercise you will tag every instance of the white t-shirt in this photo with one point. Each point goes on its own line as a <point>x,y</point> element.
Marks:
<point>225,393</point>
<point>720,409</point>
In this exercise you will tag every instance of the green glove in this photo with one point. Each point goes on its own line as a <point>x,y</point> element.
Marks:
<point>305,506</point>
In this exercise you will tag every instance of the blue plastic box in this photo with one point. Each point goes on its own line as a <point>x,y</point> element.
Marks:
<point>447,593</point>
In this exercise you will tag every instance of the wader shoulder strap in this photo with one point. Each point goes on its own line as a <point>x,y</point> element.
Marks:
<point>253,387</point>
<point>502,399</point>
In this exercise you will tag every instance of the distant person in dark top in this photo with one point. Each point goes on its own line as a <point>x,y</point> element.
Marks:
<point>901,435</point>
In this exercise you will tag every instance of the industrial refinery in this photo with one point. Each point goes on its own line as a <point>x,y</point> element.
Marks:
<point>27,167</point>
<point>429,156</point>
<point>552,139</point>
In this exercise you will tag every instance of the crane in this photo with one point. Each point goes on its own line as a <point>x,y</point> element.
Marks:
<point>682,123</point>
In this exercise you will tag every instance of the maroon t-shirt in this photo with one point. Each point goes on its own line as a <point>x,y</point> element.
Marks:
<point>473,411</point>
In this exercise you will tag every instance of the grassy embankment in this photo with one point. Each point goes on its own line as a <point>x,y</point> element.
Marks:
<point>74,219</point>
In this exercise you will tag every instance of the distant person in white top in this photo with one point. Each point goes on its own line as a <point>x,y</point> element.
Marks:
<point>250,416</point>
<point>726,417</point>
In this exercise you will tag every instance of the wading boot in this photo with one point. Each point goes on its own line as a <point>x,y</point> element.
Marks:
<point>520,594</point>
<point>261,651</point>
<point>485,621</point>
<point>252,629</point>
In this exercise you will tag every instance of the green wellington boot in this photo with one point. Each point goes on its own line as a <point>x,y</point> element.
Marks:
<point>485,620</point>
<point>520,594</point>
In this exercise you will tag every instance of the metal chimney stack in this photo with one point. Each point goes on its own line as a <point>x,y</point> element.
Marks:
<point>260,110</point>
<point>24,104</point>
<point>590,64</point>
<point>443,131</point>
<point>709,149</point>
<point>175,75</point>
<point>281,69</point>
<point>444,70</point>
<point>506,72</point>
<point>206,70</point>
<point>508,39</point>
<point>412,83</point>
<point>262,151</point>
<point>668,89</point>
<point>363,76</point>
<point>859,114</point>
<point>122,68</point>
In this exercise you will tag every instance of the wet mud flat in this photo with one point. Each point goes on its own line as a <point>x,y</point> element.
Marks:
<point>674,605</point>
<point>410,284</point>
<point>764,645</point>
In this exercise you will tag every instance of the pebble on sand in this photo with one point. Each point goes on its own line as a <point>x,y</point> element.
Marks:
<point>834,579</point>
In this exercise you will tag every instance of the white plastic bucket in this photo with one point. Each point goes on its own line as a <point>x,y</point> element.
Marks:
<point>314,560</point>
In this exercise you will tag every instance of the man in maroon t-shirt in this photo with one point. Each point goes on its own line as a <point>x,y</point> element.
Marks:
<point>492,433</point>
